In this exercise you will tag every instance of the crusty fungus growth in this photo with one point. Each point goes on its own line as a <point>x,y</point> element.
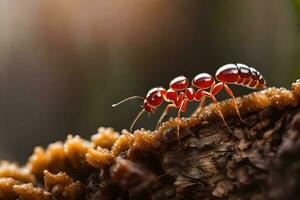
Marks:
<point>6,188</point>
<point>251,162</point>
<point>12,170</point>
<point>99,158</point>
<point>105,138</point>
<point>75,149</point>
<point>122,144</point>
<point>29,192</point>
<point>61,185</point>
<point>38,162</point>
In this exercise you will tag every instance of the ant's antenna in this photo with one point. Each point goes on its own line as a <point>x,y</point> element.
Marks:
<point>137,117</point>
<point>129,98</point>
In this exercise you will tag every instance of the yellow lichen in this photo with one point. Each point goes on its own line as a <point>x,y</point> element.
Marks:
<point>56,155</point>
<point>99,158</point>
<point>38,162</point>
<point>28,192</point>
<point>62,186</point>
<point>75,149</point>
<point>105,138</point>
<point>144,140</point>
<point>123,143</point>
<point>6,189</point>
<point>296,89</point>
<point>12,170</point>
<point>276,97</point>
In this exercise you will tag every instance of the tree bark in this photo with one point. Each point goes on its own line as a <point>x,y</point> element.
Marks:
<point>257,158</point>
<point>254,160</point>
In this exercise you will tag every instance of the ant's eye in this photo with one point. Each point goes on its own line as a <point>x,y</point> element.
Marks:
<point>154,97</point>
<point>203,80</point>
<point>179,83</point>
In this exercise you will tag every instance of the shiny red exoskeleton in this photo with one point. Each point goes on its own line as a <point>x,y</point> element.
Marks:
<point>241,74</point>
<point>204,86</point>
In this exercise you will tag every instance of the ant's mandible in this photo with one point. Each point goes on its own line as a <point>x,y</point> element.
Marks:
<point>179,94</point>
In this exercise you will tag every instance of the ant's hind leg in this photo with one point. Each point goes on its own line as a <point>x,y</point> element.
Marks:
<point>164,114</point>
<point>219,108</point>
<point>228,90</point>
<point>222,117</point>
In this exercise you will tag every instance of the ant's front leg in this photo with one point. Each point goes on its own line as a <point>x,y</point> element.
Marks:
<point>182,108</point>
<point>163,115</point>
<point>200,98</point>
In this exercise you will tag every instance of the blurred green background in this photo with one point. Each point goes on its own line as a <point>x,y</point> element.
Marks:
<point>63,63</point>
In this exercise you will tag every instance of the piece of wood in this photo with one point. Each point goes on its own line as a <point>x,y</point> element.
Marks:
<point>256,160</point>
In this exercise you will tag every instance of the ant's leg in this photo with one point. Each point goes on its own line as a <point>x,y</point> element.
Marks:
<point>163,115</point>
<point>212,87</point>
<point>200,98</point>
<point>202,103</point>
<point>218,87</point>
<point>219,108</point>
<point>136,118</point>
<point>183,105</point>
<point>181,109</point>
<point>229,91</point>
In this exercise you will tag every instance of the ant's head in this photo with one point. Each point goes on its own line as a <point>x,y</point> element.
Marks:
<point>179,83</point>
<point>203,81</point>
<point>148,107</point>
<point>154,98</point>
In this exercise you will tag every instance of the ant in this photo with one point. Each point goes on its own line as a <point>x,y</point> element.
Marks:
<point>179,94</point>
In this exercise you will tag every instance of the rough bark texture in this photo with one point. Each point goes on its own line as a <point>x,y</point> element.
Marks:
<point>259,160</point>
<point>256,160</point>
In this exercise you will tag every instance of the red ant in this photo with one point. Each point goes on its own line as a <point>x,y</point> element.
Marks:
<point>179,94</point>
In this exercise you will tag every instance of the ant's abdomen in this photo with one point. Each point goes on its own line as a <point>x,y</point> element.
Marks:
<point>240,74</point>
<point>250,77</point>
